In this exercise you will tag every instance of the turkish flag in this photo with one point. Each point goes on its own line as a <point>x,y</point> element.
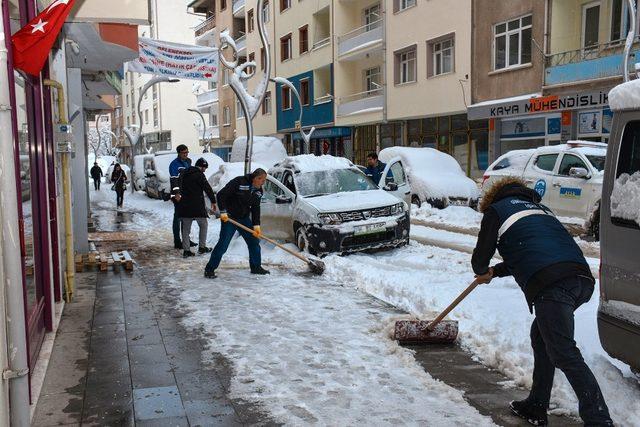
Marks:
<point>31,45</point>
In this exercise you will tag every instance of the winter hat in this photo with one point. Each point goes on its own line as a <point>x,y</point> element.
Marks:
<point>202,163</point>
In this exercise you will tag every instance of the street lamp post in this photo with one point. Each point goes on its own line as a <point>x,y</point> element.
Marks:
<point>207,147</point>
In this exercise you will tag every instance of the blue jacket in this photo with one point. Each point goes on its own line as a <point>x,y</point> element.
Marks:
<point>175,167</point>
<point>375,173</point>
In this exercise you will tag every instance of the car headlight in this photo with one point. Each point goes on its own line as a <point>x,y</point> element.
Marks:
<point>398,208</point>
<point>332,218</point>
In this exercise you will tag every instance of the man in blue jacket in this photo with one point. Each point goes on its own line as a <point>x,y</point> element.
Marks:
<point>179,164</point>
<point>551,270</point>
<point>374,168</point>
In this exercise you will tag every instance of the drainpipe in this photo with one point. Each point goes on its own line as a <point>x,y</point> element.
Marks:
<point>66,191</point>
<point>13,349</point>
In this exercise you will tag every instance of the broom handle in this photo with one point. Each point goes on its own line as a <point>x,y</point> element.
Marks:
<point>455,302</point>
<point>247,229</point>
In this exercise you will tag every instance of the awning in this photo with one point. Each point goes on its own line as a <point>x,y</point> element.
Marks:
<point>483,110</point>
<point>332,132</point>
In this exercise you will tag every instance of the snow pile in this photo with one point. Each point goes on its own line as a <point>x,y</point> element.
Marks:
<point>313,163</point>
<point>226,172</point>
<point>625,96</point>
<point>432,173</point>
<point>457,216</point>
<point>213,160</point>
<point>625,197</point>
<point>266,150</point>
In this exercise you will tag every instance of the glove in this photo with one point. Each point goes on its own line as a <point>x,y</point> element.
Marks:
<point>256,231</point>
<point>224,217</point>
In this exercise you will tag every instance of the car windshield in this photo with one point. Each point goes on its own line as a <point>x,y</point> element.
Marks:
<point>320,183</point>
<point>597,162</point>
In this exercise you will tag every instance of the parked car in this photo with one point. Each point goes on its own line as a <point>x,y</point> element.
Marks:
<point>266,150</point>
<point>567,176</point>
<point>125,168</point>
<point>434,177</point>
<point>326,204</point>
<point>619,311</point>
<point>227,171</point>
<point>141,162</point>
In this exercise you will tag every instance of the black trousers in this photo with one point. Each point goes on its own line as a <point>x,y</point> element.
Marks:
<point>96,183</point>
<point>552,339</point>
<point>119,196</point>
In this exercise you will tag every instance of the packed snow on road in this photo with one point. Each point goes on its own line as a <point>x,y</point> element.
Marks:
<point>319,349</point>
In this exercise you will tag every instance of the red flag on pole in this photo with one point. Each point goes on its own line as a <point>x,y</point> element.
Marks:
<point>31,45</point>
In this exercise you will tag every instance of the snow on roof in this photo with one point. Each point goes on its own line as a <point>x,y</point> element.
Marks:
<point>313,163</point>
<point>266,150</point>
<point>511,99</point>
<point>422,158</point>
<point>625,96</point>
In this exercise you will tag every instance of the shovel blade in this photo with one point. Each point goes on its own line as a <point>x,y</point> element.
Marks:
<point>416,331</point>
<point>316,266</point>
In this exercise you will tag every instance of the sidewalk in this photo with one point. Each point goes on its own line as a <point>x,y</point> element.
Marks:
<point>121,358</point>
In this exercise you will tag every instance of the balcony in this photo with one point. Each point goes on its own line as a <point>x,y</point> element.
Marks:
<point>211,133</point>
<point>361,41</point>
<point>238,8</point>
<point>206,26</point>
<point>583,65</point>
<point>359,103</point>
<point>206,99</point>
<point>241,44</point>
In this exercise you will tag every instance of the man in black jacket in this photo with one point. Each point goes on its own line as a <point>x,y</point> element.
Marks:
<point>189,196</point>
<point>551,270</point>
<point>96,174</point>
<point>240,200</point>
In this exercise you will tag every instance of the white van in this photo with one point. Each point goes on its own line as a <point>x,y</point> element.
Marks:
<point>138,175</point>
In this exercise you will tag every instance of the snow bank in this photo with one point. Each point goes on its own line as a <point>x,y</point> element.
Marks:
<point>313,163</point>
<point>625,197</point>
<point>432,173</point>
<point>226,172</point>
<point>625,96</point>
<point>266,150</point>
<point>458,216</point>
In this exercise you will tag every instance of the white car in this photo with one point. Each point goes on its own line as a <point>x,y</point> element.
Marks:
<point>326,204</point>
<point>434,177</point>
<point>227,171</point>
<point>567,176</point>
<point>140,163</point>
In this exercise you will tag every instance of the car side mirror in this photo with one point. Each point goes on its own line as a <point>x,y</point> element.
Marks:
<point>579,173</point>
<point>283,200</point>
<point>392,186</point>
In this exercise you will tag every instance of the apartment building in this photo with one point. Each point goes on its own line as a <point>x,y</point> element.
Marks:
<point>166,121</point>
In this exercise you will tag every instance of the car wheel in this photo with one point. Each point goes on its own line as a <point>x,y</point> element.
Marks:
<point>415,200</point>
<point>594,229</point>
<point>302,242</point>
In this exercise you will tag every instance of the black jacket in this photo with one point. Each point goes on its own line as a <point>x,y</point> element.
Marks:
<point>118,178</point>
<point>488,242</point>
<point>191,185</point>
<point>96,172</point>
<point>239,199</point>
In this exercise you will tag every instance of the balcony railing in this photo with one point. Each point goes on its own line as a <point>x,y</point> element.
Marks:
<point>237,6</point>
<point>368,35</point>
<point>208,24</point>
<point>320,43</point>
<point>363,102</point>
<point>241,43</point>
<point>207,98</point>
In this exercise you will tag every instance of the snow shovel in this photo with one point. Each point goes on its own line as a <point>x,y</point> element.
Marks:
<point>315,265</point>
<point>436,331</point>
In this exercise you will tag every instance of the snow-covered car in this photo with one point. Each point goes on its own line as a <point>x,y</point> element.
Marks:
<point>434,177</point>
<point>157,183</point>
<point>567,176</point>
<point>109,171</point>
<point>140,162</point>
<point>227,171</point>
<point>266,150</point>
<point>326,204</point>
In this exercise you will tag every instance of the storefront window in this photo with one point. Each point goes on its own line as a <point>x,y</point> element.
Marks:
<point>443,143</point>
<point>443,124</point>
<point>479,153</point>
<point>429,141</point>
<point>390,135</point>
<point>522,144</point>
<point>461,150</point>
<point>459,122</point>
<point>430,125</point>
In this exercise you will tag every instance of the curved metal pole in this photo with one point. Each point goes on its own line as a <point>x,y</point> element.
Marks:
<point>631,35</point>
<point>204,128</point>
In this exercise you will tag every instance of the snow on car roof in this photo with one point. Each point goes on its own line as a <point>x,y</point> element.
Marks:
<point>266,150</point>
<point>423,158</point>
<point>313,163</point>
<point>625,96</point>
<point>225,172</point>
<point>586,148</point>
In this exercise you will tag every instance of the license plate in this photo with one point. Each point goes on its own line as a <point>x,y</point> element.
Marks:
<point>369,228</point>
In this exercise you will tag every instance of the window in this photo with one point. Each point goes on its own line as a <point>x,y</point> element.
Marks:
<point>284,5</point>
<point>304,91</point>
<point>146,117</point>
<point>442,57</point>
<point>623,212</point>
<point>303,35</point>
<point>396,175</point>
<point>252,58</point>
<point>226,116</point>
<point>590,24</point>
<point>263,58</point>
<point>239,111</point>
<point>570,161</point>
<point>372,81</point>
<point>372,17</point>
<point>546,162</point>
<point>133,118</point>
<point>223,4</point>
<point>399,5</point>
<point>127,98</point>
<point>225,77</point>
<point>629,157</point>
<point>285,48</point>
<point>154,90</point>
<point>405,65</point>
<point>512,43</point>
<point>139,92</point>
<point>214,120</point>
<point>265,12</point>
<point>266,103</point>
<point>128,122</point>
<point>250,21</point>
<point>286,98</point>
<point>155,116</point>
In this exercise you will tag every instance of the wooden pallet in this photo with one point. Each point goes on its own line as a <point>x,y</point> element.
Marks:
<point>104,261</point>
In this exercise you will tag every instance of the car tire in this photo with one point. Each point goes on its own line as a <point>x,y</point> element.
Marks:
<point>415,200</point>
<point>594,228</point>
<point>302,241</point>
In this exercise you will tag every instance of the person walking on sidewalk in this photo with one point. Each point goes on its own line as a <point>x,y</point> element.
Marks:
<point>240,200</point>
<point>190,204</point>
<point>119,179</point>
<point>96,175</point>
<point>177,165</point>
<point>552,272</point>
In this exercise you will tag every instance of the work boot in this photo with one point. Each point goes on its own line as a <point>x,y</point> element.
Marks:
<point>204,250</point>
<point>535,414</point>
<point>259,270</point>
<point>187,254</point>
<point>177,245</point>
<point>210,274</point>
<point>192,243</point>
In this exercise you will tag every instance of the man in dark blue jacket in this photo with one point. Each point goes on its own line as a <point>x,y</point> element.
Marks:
<point>374,168</point>
<point>551,270</point>
<point>240,201</point>
<point>179,164</point>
